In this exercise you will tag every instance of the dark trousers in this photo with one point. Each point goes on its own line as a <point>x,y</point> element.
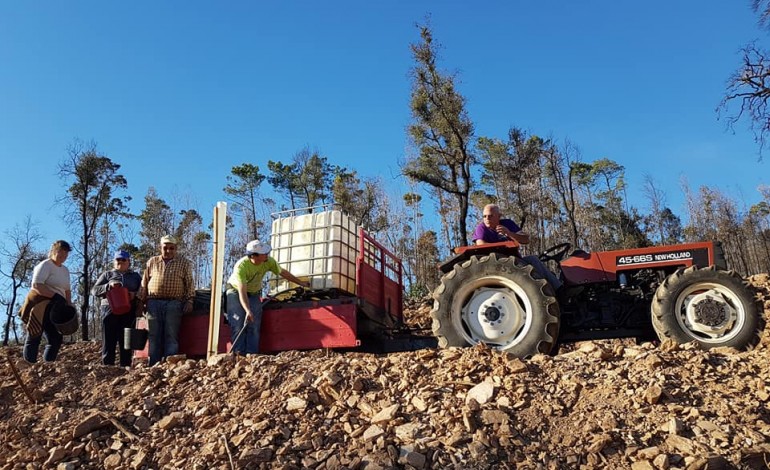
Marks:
<point>52,336</point>
<point>113,335</point>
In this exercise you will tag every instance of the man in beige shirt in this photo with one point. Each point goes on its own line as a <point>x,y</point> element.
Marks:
<point>167,291</point>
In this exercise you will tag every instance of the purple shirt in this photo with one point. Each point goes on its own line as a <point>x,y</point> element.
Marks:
<point>485,233</point>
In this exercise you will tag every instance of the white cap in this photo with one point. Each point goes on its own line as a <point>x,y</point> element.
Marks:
<point>168,239</point>
<point>255,247</point>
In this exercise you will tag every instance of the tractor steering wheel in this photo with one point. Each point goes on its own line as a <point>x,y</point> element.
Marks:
<point>555,252</point>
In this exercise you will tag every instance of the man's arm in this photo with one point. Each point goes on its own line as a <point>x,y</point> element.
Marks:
<point>243,297</point>
<point>144,286</point>
<point>100,287</point>
<point>292,278</point>
<point>508,231</point>
<point>521,237</point>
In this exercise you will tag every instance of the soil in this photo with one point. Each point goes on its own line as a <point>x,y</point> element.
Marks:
<point>601,404</point>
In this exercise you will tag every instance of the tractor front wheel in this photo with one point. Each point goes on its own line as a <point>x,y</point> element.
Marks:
<point>712,307</point>
<point>497,302</point>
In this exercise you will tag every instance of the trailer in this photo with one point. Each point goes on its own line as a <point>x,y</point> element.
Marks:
<point>355,299</point>
<point>356,284</point>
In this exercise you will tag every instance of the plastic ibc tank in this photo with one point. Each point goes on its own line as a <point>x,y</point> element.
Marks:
<point>320,246</point>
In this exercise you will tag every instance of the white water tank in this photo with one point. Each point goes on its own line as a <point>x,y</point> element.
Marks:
<point>320,247</point>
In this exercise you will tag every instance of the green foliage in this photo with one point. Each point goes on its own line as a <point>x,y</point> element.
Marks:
<point>191,219</point>
<point>671,227</point>
<point>94,180</point>
<point>417,291</point>
<point>284,180</point>
<point>761,210</point>
<point>243,191</point>
<point>412,199</point>
<point>315,177</point>
<point>514,173</point>
<point>90,203</point>
<point>307,181</point>
<point>157,220</point>
<point>362,200</point>
<point>442,133</point>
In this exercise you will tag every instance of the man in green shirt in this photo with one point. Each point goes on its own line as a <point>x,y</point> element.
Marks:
<point>244,286</point>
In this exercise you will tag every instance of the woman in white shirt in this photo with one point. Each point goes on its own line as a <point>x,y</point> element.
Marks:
<point>50,279</point>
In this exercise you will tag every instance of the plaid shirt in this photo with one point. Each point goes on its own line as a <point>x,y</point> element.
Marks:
<point>168,280</point>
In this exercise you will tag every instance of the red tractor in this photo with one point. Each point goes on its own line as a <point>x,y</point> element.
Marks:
<point>683,292</point>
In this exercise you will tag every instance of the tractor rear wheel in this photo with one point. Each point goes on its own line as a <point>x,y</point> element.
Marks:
<point>712,307</point>
<point>498,302</point>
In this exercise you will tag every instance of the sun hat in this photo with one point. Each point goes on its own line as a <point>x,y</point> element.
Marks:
<point>255,247</point>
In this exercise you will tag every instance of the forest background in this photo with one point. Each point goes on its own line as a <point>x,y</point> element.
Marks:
<point>430,202</point>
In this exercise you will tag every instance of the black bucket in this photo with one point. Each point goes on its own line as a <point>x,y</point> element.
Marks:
<point>134,338</point>
<point>65,319</point>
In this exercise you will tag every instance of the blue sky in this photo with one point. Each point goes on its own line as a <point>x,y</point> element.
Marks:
<point>179,92</point>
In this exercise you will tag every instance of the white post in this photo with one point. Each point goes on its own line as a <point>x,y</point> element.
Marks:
<point>217,274</point>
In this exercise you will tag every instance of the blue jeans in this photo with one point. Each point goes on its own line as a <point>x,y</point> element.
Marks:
<point>544,272</point>
<point>163,320</point>
<point>248,341</point>
<point>52,336</point>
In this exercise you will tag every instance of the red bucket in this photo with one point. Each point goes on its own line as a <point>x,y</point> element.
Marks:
<point>120,301</point>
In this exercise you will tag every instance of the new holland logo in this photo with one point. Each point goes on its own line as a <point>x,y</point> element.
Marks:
<point>654,258</point>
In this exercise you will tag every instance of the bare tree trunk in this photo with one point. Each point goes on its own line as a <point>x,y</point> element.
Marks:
<point>444,225</point>
<point>9,314</point>
<point>85,289</point>
<point>15,330</point>
<point>7,327</point>
<point>767,252</point>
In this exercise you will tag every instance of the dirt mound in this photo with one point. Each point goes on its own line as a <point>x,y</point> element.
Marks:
<point>605,404</point>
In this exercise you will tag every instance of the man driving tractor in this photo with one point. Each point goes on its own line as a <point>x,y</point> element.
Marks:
<point>494,229</point>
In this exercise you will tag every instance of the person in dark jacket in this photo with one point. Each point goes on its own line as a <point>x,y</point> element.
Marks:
<point>113,323</point>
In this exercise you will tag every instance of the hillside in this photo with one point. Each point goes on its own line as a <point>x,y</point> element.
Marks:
<point>603,404</point>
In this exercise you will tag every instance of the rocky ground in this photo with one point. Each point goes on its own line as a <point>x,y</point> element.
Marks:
<point>604,404</point>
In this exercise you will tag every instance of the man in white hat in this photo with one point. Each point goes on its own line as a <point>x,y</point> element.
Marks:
<point>167,291</point>
<point>244,307</point>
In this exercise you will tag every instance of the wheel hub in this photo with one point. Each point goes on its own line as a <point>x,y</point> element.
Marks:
<point>709,312</point>
<point>493,315</point>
